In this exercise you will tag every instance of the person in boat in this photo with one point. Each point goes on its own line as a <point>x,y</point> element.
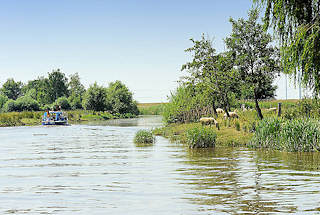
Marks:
<point>47,114</point>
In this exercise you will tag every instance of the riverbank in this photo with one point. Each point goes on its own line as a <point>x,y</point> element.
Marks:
<point>30,118</point>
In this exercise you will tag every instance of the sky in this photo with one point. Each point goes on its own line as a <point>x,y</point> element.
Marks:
<point>139,42</point>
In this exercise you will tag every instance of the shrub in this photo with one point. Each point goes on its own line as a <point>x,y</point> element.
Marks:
<point>237,125</point>
<point>201,137</point>
<point>3,100</point>
<point>144,137</point>
<point>63,102</point>
<point>26,103</point>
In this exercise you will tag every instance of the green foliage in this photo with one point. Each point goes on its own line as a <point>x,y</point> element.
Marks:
<point>63,102</point>
<point>297,24</point>
<point>39,90</point>
<point>3,100</point>
<point>95,98</point>
<point>77,91</point>
<point>201,137</point>
<point>12,89</point>
<point>144,137</point>
<point>57,85</point>
<point>119,99</point>
<point>288,135</point>
<point>23,103</point>
<point>237,125</point>
<point>187,104</point>
<point>258,62</point>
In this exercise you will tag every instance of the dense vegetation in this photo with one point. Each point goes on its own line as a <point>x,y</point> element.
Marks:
<point>144,137</point>
<point>57,90</point>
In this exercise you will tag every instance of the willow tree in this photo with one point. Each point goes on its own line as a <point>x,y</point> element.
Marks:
<point>297,24</point>
<point>255,57</point>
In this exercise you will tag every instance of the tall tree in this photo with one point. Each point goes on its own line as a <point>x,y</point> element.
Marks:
<point>40,87</point>
<point>58,85</point>
<point>76,90</point>
<point>297,23</point>
<point>12,89</point>
<point>255,57</point>
<point>119,99</point>
<point>95,98</point>
<point>211,70</point>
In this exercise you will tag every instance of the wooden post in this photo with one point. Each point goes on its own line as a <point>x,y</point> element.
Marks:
<point>279,109</point>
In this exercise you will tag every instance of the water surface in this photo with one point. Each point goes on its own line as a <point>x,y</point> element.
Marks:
<point>97,169</point>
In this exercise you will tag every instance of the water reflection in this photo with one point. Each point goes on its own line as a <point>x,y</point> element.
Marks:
<point>228,180</point>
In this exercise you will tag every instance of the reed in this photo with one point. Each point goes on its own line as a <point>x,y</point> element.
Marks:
<point>201,137</point>
<point>301,135</point>
<point>144,137</point>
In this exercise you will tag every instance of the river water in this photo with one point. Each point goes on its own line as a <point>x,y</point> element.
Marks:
<point>97,169</point>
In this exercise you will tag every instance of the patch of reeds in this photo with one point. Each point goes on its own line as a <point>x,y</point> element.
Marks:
<point>301,135</point>
<point>144,137</point>
<point>201,137</point>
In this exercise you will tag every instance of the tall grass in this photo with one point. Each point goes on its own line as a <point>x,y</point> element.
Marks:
<point>201,137</point>
<point>288,135</point>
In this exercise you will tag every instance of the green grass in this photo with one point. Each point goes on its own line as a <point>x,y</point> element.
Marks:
<point>151,108</point>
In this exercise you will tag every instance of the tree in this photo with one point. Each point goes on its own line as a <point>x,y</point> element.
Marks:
<point>12,89</point>
<point>255,58</point>
<point>119,99</point>
<point>58,85</point>
<point>3,100</point>
<point>40,90</point>
<point>212,71</point>
<point>297,23</point>
<point>76,90</point>
<point>95,98</point>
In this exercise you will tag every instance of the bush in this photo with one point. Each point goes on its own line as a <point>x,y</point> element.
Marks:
<point>144,137</point>
<point>63,102</point>
<point>288,135</point>
<point>23,103</point>
<point>201,137</point>
<point>3,100</point>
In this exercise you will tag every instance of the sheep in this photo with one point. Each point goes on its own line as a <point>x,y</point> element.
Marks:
<point>219,110</point>
<point>209,121</point>
<point>231,114</point>
<point>272,110</point>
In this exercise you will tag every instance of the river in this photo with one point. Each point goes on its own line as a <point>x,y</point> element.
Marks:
<point>97,169</point>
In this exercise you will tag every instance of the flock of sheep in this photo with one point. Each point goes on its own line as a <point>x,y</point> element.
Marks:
<point>211,120</point>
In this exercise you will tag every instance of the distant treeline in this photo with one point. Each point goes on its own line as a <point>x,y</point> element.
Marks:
<point>69,93</point>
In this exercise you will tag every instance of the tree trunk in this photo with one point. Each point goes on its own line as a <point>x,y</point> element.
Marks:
<point>257,105</point>
<point>214,109</point>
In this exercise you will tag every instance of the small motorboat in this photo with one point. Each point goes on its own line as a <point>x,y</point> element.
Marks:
<point>54,118</point>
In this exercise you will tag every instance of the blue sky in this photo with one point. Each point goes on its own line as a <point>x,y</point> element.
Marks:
<point>139,42</point>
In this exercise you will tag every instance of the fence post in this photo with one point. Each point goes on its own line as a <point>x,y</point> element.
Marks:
<point>279,109</point>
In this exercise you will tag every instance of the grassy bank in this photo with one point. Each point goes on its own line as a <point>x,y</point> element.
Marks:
<point>298,128</point>
<point>29,118</point>
<point>151,108</point>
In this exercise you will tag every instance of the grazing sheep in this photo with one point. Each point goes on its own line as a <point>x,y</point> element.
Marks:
<point>231,114</point>
<point>209,121</point>
<point>219,110</point>
<point>272,110</point>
